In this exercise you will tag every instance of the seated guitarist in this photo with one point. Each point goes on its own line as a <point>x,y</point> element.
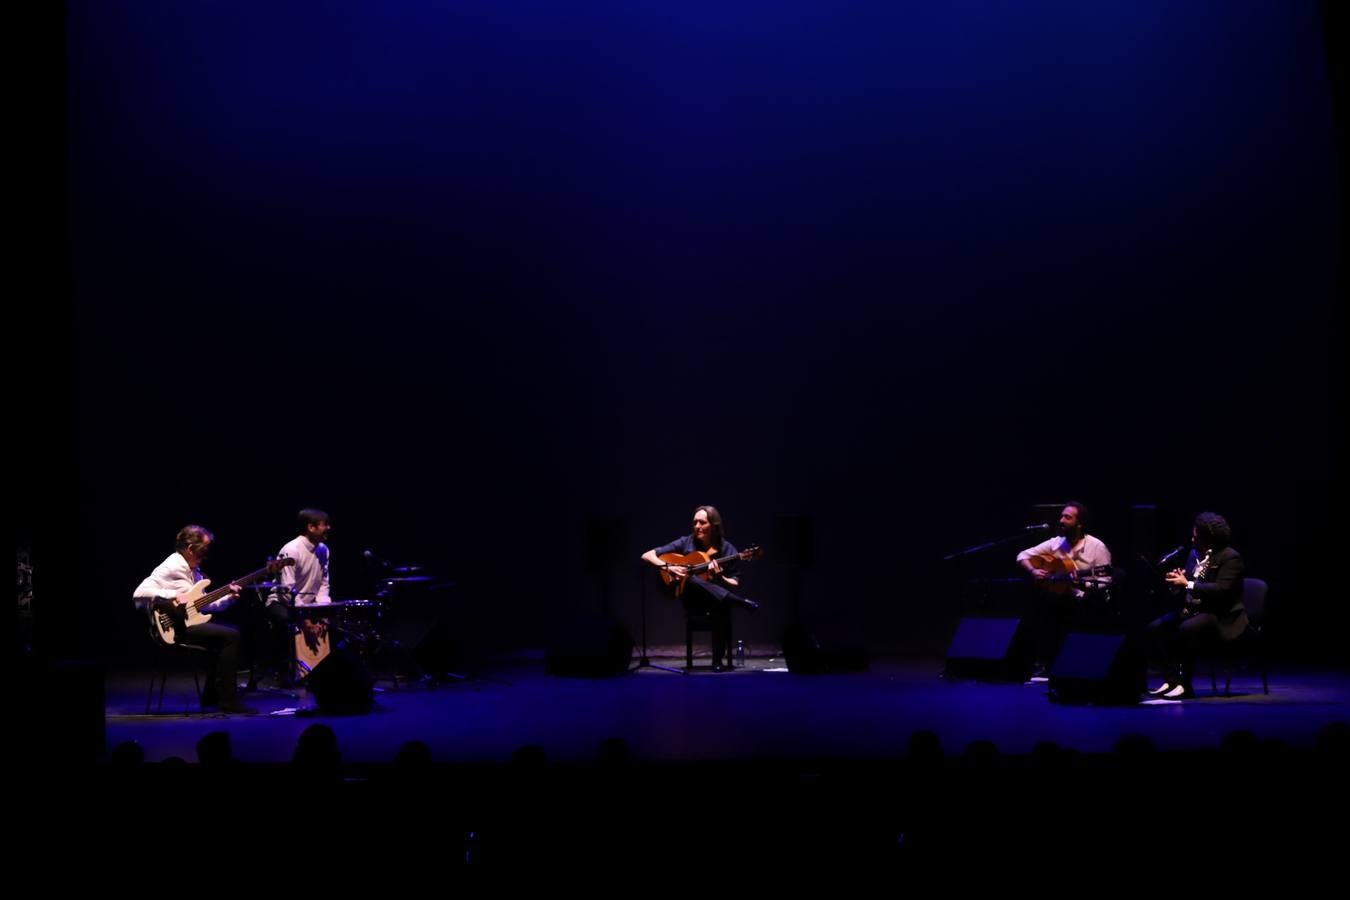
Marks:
<point>167,586</point>
<point>1060,561</point>
<point>716,595</point>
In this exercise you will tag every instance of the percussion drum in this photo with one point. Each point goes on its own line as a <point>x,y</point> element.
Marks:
<point>357,620</point>
<point>312,645</point>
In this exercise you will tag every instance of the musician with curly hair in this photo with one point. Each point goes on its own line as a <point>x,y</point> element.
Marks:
<point>1210,587</point>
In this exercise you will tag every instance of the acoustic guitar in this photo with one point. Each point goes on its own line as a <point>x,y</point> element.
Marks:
<point>698,564</point>
<point>1064,576</point>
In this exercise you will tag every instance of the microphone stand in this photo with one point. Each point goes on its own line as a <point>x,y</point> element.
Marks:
<point>984,599</point>
<point>1020,535</point>
<point>1171,555</point>
<point>644,662</point>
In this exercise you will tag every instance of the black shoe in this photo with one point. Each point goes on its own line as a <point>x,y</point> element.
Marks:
<point>749,604</point>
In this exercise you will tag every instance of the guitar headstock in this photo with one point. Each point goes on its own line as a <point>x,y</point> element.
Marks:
<point>754,552</point>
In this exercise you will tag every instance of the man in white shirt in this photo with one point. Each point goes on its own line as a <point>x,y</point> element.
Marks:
<point>166,589</point>
<point>305,583</point>
<point>307,580</point>
<point>1061,567</point>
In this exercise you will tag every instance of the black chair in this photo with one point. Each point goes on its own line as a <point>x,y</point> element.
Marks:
<point>166,656</point>
<point>699,620</point>
<point>1252,640</point>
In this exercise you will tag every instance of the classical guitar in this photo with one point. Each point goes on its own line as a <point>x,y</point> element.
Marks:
<point>1064,575</point>
<point>167,616</point>
<point>698,564</point>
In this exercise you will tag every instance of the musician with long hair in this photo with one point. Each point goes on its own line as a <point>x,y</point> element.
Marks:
<point>1061,567</point>
<point>715,593</point>
<point>167,587</point>
<point>1210,588</point>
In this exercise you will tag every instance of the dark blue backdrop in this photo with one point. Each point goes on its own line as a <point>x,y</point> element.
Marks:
<point>473,275</point>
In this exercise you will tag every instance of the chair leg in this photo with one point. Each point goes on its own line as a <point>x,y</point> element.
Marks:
<point>1265,668</point>
<point>688,647</point>
<point>161,673</point>
<point>1213,679</point>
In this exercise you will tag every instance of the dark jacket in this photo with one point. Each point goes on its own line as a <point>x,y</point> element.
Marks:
<point>1220,592</point>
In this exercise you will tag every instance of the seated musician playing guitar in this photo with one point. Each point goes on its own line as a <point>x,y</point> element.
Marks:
<point>711,589</point>
<point>1062,565</point>
<point>168,594</point>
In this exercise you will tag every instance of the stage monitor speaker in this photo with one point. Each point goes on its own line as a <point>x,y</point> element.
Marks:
<point>589,647</point>
<point>1098,668</point>
<point>341,685</point>
<point>811,652</point>
<point>992,649</point>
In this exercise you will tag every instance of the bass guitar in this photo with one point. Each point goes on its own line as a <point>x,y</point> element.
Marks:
<point>167,616</point>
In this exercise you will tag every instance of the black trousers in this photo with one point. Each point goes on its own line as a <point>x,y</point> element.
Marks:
<point>715,601</point>
<point>223,642</point>
<point>1177,640</point>
<point>279,654</point>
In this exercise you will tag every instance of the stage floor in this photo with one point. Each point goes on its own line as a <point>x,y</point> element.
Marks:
<point>761,712</point>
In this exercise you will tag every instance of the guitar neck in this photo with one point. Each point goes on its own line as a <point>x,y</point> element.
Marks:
<point>207,599</point>
<point>719,560</point>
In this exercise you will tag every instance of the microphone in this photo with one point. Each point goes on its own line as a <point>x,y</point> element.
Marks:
<point>378,560</point>
<point>1180,548</point>
<point>1041,527</point>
